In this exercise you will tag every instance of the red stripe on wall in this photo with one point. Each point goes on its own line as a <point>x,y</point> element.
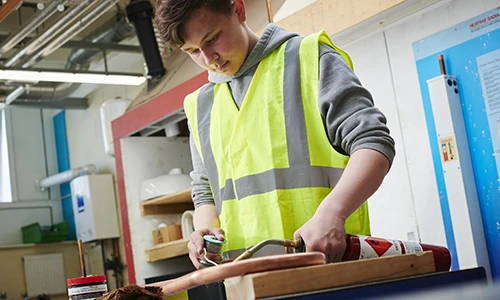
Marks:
<point>132,121</point>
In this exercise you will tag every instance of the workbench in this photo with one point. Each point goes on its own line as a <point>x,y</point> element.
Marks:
<point>362,279</point>
<point>401,288</point>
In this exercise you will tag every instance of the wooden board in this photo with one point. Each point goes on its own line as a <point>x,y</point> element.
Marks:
<point>169,204</point>
<point>284,282</point>
<point>167,250</point>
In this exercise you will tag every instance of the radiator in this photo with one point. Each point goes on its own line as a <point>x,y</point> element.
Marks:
<point>44,274</point>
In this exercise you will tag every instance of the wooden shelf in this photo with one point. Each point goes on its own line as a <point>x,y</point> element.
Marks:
<point>167,250</point>
<point>169,204</point>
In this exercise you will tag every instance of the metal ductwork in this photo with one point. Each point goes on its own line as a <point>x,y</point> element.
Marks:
<point>75,29</point>
<point>33,23</point>
<point>114,31</point>
<point>140,13</point>
<point>73,13</point>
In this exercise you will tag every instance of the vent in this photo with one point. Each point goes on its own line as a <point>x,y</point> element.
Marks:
<point>45,274</point>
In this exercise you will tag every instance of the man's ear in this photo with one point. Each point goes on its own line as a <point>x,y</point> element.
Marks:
<point>240,10</point>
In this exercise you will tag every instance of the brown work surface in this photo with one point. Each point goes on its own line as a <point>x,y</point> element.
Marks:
<point>239,268</point>
<point>313,278</point>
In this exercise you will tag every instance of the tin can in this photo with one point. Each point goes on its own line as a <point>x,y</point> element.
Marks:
<point>88,287</point>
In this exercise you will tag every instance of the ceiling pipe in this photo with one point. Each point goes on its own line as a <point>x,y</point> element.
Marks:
<point>75,29</point>
<point>79,60</point>
<point>140,13</point>
<point>14,95</point>
<point>114,31</point>
<point>33,23</point>
<point>65,176</point>
<point>66,19</point>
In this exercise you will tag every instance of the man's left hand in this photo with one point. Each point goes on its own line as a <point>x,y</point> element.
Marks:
<point>325,233</point>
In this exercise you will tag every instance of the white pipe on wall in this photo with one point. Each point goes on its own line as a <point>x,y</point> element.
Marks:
<point>65,176</point>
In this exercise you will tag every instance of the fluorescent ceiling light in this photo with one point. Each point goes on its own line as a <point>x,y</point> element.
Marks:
<point>54,76</point>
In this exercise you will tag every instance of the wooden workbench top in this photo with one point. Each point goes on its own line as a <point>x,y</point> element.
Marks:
<point>313,278</point>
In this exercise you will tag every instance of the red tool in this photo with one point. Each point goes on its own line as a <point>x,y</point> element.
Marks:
<point>363,247</point>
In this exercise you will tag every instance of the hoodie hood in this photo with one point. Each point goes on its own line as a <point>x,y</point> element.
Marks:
<point>272,37</point>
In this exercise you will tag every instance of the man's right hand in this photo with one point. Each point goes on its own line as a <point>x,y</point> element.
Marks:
<point>196,245</point>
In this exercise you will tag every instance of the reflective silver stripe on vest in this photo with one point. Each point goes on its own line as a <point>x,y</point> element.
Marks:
<point>294,177</point>
<point>204,108</point>
<point>300,174</point>
<point>295,124</point>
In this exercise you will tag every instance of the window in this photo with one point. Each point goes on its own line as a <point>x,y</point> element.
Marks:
<point>5,187</point>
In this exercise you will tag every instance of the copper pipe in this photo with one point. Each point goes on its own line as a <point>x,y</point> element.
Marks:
<point>269,11</point>
<point>250,252</point>
<point>240,268</point>
<point>82,259</point>
<point>441,64</point>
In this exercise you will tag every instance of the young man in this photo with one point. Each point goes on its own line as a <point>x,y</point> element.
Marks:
<point>285,141</point>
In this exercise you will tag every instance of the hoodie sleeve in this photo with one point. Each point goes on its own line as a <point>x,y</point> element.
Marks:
<point>202,192</point>
<point>351,120</point>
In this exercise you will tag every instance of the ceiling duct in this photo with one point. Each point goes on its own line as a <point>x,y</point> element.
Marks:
<point>75,29</point>
<point>140,13</point>
<point>70,15</point>
<point>32,24</point>
<point>113,31</point>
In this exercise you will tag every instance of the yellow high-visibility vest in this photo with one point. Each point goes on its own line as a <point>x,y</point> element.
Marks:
<point>270,162</point>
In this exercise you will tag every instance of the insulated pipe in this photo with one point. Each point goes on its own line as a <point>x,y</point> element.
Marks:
<point>75,29</point>
<point>29,26</point>
<point>140,13</point>
<point>14,95</point>
<point>36,92</point>
<point>79,60</point>
<point>65,176</point>
<point>72,14</point>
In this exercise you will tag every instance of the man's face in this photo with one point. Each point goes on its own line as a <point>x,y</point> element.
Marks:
<point>217,42</point>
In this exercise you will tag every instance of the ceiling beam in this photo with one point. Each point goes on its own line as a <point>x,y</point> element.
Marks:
<point>66,103</point>
<point>102,46</point>
<point>89,45</point>
<point>9,7</point>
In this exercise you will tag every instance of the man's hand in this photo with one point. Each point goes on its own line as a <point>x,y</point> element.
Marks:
<point>324,233</point>
<point>196,245</point>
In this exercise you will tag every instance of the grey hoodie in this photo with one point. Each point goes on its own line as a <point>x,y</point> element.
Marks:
<point>351,121</point>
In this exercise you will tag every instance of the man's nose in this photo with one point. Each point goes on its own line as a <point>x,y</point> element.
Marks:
<point>210,57</point>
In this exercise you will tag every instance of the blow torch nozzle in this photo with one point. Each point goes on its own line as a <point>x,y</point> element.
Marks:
<point>297,244</point>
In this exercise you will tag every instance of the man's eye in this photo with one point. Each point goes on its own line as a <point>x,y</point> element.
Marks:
<point>212,40</point>
<point>195,51</point>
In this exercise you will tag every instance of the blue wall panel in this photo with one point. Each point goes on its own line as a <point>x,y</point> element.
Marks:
<point>461,45</point>
<point>63,165</point>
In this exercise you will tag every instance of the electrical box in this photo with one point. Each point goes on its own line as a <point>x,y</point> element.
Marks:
<point>94,207</point>
<point>458,173</point>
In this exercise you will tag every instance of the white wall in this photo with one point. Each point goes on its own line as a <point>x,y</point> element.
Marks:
<point>392,213</point>
<point>85,137</point>
<point>145,158</point>
<point>290,7</point>
<point>408,199</point>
